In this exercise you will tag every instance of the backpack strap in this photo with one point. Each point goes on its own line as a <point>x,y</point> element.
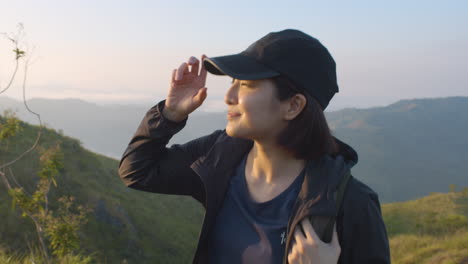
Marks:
<point>341,190</point>
<point>339,194</point>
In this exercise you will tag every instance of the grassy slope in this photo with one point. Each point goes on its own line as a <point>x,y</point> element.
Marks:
<point>433,229</point>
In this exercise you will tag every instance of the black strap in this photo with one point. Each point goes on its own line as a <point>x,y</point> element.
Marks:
<point>341,190</point>
<point>339,194</point>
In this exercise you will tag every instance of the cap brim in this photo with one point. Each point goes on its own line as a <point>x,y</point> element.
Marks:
<point>239,67</point>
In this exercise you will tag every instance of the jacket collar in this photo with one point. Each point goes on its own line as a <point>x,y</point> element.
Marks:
<point>225,154</point>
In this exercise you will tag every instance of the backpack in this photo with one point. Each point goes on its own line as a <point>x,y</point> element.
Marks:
<point>323,225</point>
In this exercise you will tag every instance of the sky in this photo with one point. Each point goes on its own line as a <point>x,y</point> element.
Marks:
<point>124,51</point>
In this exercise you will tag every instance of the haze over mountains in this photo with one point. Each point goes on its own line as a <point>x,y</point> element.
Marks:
<point>104,129</point>
<point>406,150</point>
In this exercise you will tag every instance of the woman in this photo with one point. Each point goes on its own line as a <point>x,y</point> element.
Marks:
<point>273,169</point>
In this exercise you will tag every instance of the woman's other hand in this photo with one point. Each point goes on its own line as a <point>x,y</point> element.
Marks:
<point>308,248</point>
<point>187,90</point>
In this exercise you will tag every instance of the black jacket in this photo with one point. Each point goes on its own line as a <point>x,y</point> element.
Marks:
<point>202,169</point>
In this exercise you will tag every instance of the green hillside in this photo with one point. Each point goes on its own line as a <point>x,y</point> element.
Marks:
<point>433,229</point>
<point>124,224</point>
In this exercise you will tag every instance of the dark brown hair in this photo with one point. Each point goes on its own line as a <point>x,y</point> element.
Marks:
<point>307,136</point>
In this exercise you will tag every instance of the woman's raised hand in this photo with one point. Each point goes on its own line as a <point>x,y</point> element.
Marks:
<point>187,90</point>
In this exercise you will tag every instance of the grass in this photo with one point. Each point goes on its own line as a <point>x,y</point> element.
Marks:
<point>425,249</point>
<point>438,213</point>
<point>34,257</point>
<point>430,230</point>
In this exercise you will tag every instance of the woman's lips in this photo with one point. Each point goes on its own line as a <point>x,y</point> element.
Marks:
<point>231,115</point>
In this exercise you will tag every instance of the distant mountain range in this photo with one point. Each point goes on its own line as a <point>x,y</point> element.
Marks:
<point>406,150</point>
<point>104,129</point>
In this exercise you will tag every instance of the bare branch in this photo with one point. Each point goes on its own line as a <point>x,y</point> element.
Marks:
<point>15,38</point>
<point>11,78</point>
<point>13,177</point>
<point>5,180</point>
<point>38,117</point>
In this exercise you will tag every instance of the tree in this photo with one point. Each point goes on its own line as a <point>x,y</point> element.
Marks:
<point>57,229</point>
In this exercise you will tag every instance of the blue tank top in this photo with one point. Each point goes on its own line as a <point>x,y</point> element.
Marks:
<point>246,231</point>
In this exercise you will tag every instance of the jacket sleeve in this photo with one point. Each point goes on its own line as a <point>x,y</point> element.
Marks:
<point>148,165</point>
<point>365,238</point>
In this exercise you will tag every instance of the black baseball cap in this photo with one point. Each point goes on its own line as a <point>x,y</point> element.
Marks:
<point>291,53</point>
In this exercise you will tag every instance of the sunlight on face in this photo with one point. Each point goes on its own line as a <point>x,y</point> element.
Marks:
<point>254,112</point>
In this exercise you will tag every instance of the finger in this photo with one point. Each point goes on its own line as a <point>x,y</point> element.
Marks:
<point>299,245</point>
<point>309,230</point>
<point>201,96</point>
<point>292,250</point>
<point>203,71</point>
<point>187,68</point>
<point>292,256</point>
<point>292,246</point>
<point>335,240</point>
<point>173,75</point>
<point>180,71</point>
<point>194,62</point>
<point>298,234</point>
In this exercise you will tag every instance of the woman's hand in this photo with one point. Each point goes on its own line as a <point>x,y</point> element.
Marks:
<point>187,90</point>
<point>308,248</point>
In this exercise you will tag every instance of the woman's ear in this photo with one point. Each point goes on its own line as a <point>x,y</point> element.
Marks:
<point>294,106</point>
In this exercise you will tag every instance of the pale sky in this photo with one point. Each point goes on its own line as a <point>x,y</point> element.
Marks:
<point>124,51</point>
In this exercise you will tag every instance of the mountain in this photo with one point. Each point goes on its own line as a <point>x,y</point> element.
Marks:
<point>410,148</point>
<point>103,129</point>
<point>406,150</point>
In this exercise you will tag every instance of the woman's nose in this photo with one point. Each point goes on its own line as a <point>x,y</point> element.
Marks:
<point>231,95</point>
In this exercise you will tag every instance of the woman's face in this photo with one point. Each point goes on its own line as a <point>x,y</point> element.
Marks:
<point>254,112</point>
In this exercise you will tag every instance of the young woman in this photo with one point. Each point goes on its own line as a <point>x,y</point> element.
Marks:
<point>273,176</point>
